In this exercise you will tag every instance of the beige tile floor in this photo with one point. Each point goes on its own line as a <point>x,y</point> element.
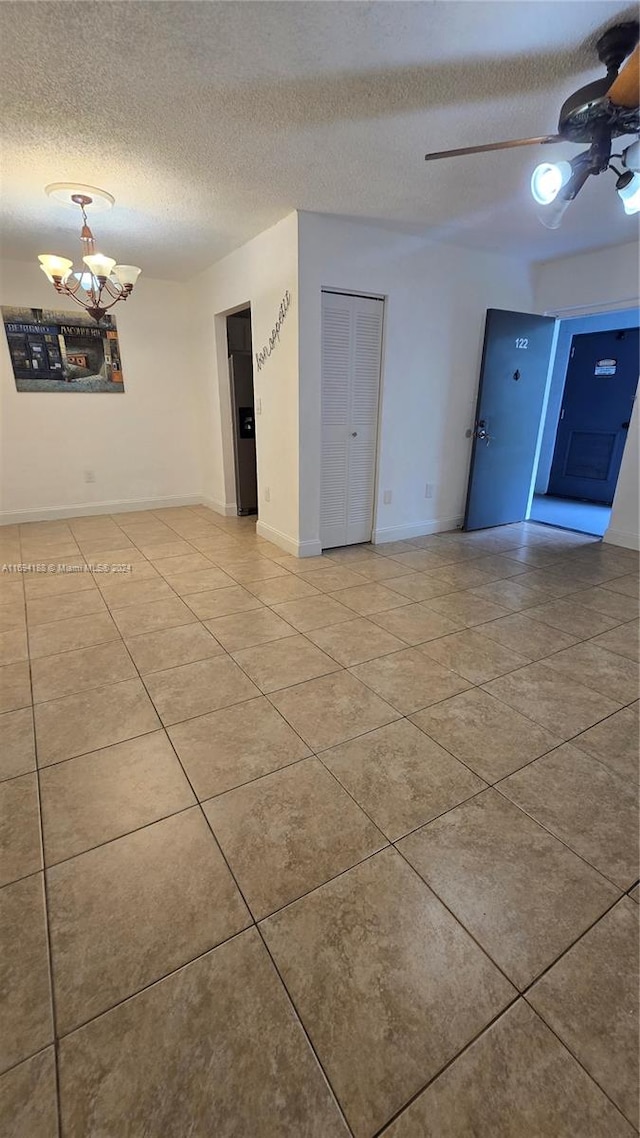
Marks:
<point>304,849</point>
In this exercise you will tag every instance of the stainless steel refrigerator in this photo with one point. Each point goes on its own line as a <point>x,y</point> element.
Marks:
<point>244,431</point>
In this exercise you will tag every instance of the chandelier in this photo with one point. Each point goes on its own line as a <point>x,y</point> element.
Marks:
<point>102,283</point>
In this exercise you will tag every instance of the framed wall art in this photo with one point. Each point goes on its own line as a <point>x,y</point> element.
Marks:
<point>61,351</point>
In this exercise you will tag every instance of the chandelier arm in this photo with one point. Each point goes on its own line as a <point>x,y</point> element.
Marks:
<point>112,290</point>
<point>72,293</point>
<point>78,287</point>
<point>65,291</point>
<point>122,296</point>
<point>95,300</point>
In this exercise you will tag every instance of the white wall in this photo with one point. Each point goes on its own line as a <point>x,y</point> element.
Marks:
<point>142,445</point>
<point>436,299</point>
<point>259,274</point>
<point>598,281</point>
<point>601,282</point>
<point>168,438</point>
<point>624,526</point>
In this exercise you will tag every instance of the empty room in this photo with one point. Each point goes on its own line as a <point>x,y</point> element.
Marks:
<point>319,569</point>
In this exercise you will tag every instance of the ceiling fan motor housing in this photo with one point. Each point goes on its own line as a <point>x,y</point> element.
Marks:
<point>588,110</point>
<point>616,44</point>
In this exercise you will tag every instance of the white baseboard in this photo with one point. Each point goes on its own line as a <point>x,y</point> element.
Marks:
<point>59,513</point>
<point>622,537</point>
<point>227,509</point>
<point>289,544</point>
<point>417,529</point>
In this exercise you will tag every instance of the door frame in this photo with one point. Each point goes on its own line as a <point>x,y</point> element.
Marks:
<point>226,414</point>
<point>569,326</point>
<point>383,341</point>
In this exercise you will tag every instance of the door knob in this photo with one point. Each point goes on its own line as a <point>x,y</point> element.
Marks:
<point>481,432</point>
<point>354,434</point>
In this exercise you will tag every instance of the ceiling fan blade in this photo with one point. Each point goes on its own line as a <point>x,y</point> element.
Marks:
<point>625,89</point>
<point>510,145</point>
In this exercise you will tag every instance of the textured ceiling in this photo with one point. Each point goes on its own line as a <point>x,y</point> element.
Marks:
<point>210,121</point>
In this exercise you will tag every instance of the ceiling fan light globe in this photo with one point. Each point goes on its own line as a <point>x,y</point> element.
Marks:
<point>632,205</point>
<point>628,187</point>
<point>547,180</point>
<point>552,214</point>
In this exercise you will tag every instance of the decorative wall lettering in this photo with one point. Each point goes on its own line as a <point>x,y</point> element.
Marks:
<point>263,355</point>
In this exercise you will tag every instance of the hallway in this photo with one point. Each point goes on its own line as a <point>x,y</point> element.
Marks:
<point>568,513</point>
<point>311,848</point>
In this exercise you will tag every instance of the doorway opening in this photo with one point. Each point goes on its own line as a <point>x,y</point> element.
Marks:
<point>591,396</point>
<point>240,361</point>
<point>554,409</point>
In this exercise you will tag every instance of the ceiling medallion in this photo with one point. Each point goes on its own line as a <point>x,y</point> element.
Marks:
<point>102,283</point>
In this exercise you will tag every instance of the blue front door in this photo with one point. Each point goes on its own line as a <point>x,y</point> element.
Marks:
<point>599,391</point>
<point>513,380</point>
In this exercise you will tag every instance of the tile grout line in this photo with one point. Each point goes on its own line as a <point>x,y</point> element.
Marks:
<point>548,967</point>
<point>407,646</point>
<point>45,891</point>
<point>496,787</point>
<point>254,923</point>
<point>569,947</point>
<point>342,667</point>
<point>304,758</point>
<point>410,572</point>
<point>318,755</point>
<point>398,1113</point>
<point>197,803</point>
<point>266,695</point>
<point>306,1034</point>
<point>575,1057</point>
<point>521,993</point>
<point>118,837</point>
<point>150,984</point>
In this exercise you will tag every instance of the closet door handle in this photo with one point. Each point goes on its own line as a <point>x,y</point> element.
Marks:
<point>354,434</point>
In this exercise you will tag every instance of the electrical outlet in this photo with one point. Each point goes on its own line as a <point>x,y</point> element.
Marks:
<point>89,475</point>
<point>386,497</point>
<point>428,490</point>
<point>267,494</point>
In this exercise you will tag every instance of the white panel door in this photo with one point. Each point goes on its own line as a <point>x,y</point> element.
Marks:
<point>351,359</point>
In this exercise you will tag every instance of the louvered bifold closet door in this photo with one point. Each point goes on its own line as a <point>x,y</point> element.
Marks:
<point>351,356</point>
